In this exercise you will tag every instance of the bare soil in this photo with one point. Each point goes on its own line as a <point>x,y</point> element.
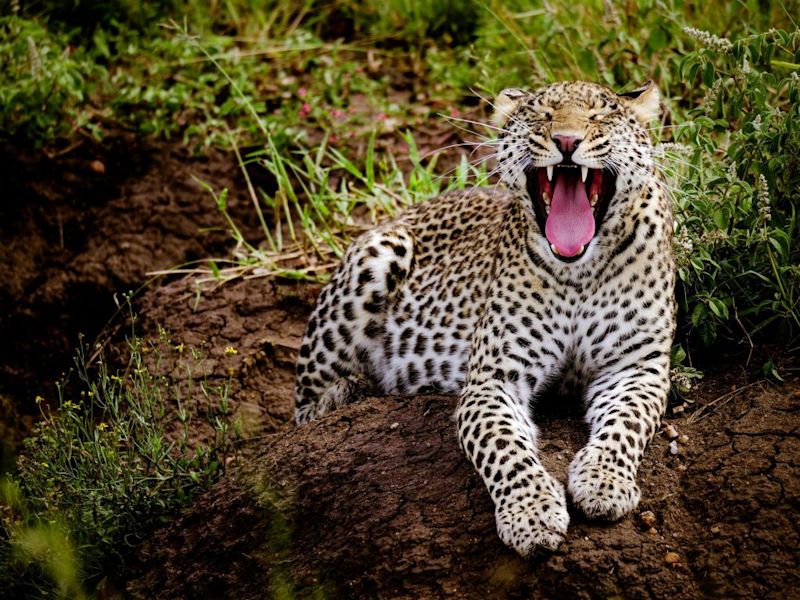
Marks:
<point>78,228</point>
<point>375,500</point>
<point>378,501</point>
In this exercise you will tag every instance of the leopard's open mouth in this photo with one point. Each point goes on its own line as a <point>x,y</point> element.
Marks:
<point>570,202</point>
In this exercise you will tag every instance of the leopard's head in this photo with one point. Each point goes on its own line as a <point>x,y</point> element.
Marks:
<point>577,152</point>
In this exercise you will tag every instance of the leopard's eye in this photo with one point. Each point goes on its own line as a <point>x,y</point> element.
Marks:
<point>602,113</point>
<point>541,114</point>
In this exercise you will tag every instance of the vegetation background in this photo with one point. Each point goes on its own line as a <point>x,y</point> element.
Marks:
<point>323,105</point>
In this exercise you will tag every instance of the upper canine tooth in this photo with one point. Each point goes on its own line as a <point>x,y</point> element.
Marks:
<point>549,172</point>
<point>584,173</point>
<point>593,199</point>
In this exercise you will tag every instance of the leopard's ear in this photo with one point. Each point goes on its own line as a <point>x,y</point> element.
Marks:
<point>506,103</point>
<point>645,102</point>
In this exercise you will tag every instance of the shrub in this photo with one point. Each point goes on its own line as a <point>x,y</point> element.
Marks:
<point>104,470</point>
<point>44,82</point>
<point>737,202</point>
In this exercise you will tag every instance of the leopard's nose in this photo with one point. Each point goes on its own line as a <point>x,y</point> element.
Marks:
<point>566,144</point>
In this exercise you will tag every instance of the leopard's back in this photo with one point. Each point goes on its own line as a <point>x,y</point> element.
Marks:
<point>431,319</point>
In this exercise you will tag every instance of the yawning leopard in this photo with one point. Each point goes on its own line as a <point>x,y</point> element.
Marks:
<point>563,276</point>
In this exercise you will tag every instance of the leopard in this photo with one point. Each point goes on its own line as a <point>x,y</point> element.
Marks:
<point>561,275</point>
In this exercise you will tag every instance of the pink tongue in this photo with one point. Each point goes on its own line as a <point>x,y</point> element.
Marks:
<point>570,223</point>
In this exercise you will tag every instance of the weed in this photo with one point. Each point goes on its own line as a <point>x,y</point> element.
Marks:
<point>109,466</point>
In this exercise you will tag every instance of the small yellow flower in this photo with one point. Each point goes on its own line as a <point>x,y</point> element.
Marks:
<point>230,351</point>
<point>179,348</point>
<point>102,426</point>
<point>39,399</point>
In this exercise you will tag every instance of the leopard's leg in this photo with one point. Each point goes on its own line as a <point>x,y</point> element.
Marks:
<point>624,412</point>
<point>343,344</point>
<point>500,439</point>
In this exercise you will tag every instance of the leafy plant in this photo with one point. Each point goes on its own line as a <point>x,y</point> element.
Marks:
<point>106,468</point>
<point>737,205</point>
<point>44,83</point>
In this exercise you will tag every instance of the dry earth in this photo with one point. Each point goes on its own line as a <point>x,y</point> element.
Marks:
<point>377,500</point>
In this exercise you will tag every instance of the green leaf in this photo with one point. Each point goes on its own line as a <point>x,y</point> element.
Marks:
<point>709,74</point>
<point>657,40</point>
<point>587,61</point>
<point>718,307</point>
<point>678,355</point>
<point>698,314</point>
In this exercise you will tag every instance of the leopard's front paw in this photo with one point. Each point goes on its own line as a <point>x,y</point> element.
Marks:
<point>535,518</point>
<point>600,487</point>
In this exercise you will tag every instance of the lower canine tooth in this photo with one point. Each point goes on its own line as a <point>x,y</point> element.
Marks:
<point>593,199</point>
<point>581,249</point>
<point>546,197</point>
<point>553,248</point>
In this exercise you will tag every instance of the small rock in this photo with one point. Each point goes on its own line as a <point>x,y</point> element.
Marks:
<point>670,432</point>
<point>672,558</point>
<point>652,532</point>
<point>673,447</point>
<point>716,529</point>
<point>681,467</point>
<point>394,425</point>
<point>683,438</point>
<point>97,166</point>
<point>647,518</point>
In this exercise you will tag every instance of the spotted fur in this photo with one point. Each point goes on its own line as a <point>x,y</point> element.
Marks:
<point>463,294</point>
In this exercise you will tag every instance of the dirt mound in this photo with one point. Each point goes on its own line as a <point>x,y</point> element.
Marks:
<point>77,228</point>
<point>249,332</point>
<point>378,501</point>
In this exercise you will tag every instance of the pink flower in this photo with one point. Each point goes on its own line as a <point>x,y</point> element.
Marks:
<point>381,117</point>
<point>454,112</point>
<point>305,110</point>
<point>302,92</point>
<point>337,114</point>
